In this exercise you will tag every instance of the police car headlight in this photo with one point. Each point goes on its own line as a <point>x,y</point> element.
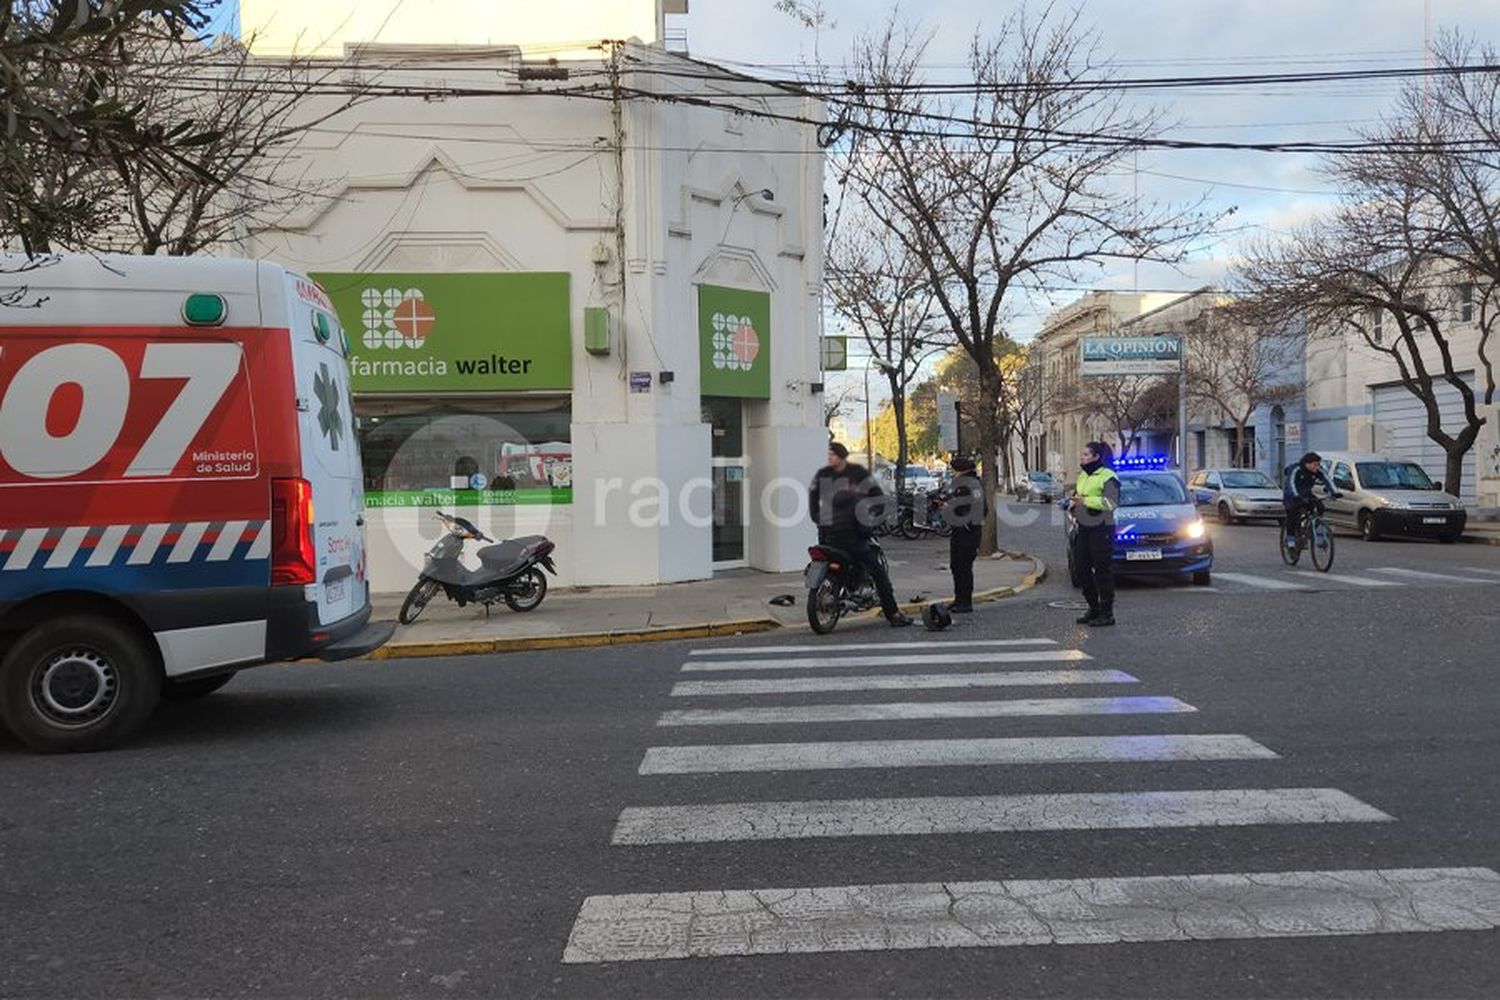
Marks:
<point>1194,529</point>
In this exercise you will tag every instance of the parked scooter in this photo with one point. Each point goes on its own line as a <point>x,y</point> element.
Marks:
<point>837,585</point>
<point>509,571</point>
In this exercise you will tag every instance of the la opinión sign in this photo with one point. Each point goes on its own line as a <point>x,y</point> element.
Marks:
<point>1130,355</point>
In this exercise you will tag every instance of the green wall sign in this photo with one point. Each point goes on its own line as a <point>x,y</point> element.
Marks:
<point>734,342</point>
<point>455,332</point>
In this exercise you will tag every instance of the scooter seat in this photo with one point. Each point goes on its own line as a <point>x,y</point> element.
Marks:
<point>509,556</point>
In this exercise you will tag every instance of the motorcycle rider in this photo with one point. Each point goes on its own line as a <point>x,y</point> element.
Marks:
<point>846,505</point>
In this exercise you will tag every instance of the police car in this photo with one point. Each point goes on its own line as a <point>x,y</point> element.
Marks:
<point>1157,528</point>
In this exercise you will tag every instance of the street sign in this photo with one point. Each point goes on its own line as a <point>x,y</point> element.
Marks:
<point>947,408</point>
<point>1107,356</point>
<point>640,381</point>
<point>1293,433</point>
<point>835,354</point>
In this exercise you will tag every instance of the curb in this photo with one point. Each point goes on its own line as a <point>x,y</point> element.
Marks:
<point>707,630</point>
<point>1480,539</point>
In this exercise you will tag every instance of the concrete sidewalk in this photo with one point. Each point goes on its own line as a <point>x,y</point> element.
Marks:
<point>731,603</point>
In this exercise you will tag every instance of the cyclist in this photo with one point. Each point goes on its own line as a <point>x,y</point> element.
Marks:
<point>1297,496</point>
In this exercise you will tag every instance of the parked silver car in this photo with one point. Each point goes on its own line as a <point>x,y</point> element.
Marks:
<point>1040,487</point>
<point>1237,494</point>
<point>1390,496</point>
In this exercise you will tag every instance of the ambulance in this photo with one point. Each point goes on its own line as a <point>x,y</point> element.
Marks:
<point>181,494</point>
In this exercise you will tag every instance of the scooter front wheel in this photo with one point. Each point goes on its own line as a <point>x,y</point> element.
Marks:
<point>411,608</point>
<point>527,592</point>
<point>824,606</point>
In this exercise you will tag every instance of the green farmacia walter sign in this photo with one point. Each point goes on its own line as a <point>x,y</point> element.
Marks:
<point>734,342</point>
<point>454,332</point>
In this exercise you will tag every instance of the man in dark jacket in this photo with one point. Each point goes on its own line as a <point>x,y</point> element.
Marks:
<point>965,512</point>
<point>846,505</point>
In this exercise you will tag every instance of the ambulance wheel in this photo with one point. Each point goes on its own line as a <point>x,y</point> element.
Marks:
<point>78,683</point>
<point>527,592</point>
<point>197,687</point>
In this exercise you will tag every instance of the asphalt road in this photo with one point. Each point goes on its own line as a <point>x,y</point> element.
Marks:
<point>435,828</point>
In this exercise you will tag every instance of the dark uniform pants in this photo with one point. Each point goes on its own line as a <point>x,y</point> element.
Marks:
<point>865,556</point>
<point>963,547</point>
<point>1094,555</point>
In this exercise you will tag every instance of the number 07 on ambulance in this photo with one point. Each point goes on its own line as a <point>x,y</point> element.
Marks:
<point>180,487</point>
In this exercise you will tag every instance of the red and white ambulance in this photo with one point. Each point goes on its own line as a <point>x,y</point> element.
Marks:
<point>181,492</point>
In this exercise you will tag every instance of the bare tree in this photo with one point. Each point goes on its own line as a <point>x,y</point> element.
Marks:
<point>1128,403</point>
<point>1237,366</point>
<point>253,112</point>
<point>994,185</point>
<point>1346,278</point>
<point>834,403</point>
<point>884,293</point>
<point>65,126</point>
<point>1409,264</point>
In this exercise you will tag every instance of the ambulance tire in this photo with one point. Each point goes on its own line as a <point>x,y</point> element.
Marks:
<point>104,684</point>
<point>196,687</point>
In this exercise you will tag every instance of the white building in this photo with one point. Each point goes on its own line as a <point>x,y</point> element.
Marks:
<point>593,316</point>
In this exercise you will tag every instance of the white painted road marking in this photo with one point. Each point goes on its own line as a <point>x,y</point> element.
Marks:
<point>1261,582</point>
<point>847,754</point>
<point>825,647</point>
<point>1420,575</point>
<point>1016,912</point>
<point>899,682</point>
<point>771,715</point>
<point>907,817</point>
<point>1354,581</point>
<point>809,662</point>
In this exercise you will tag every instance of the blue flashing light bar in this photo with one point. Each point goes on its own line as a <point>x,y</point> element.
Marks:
<point>1144,462</point>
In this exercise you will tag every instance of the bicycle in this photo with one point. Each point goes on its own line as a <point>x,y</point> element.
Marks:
<point>1313,534</point>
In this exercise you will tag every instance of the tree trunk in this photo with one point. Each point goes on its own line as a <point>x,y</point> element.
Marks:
<point>1241,460</point>
<point>1453,469</point>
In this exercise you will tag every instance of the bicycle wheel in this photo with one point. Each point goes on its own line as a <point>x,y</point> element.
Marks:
<point>1291,550</point>
<point>1321,544</point>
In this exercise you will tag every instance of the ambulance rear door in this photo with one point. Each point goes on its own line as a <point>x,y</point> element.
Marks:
<point>330,450</point>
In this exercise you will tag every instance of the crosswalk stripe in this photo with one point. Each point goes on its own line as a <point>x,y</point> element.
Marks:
<point>898,817</point>
<point>1355,581</point>
<point>848,754</point>
<point>827,647</point>
<point>771,715</point>
<point>1021,912</point>
<point>1262,582</point>
<point>899,682</point>
<point>913,660</point>
<point>1473,569</point>
<point>1423,575</point>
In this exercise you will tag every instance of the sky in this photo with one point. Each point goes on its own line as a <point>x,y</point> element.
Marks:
<point>1268,191</point>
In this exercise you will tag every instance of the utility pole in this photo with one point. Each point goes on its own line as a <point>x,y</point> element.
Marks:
<point>869,437</point>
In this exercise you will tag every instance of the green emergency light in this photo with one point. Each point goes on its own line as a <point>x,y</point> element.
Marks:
<point>205,309</point>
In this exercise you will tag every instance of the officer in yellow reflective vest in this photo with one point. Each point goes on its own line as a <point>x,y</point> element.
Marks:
<point>1092,506</point>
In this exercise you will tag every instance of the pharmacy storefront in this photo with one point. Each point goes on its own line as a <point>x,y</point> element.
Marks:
<point>463,394</point>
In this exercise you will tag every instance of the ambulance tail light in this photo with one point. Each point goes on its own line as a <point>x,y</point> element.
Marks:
<point>292,557</point>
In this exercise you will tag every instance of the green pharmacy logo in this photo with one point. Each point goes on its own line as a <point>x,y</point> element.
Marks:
<point>330,421</point>
<point>396,319</point>
<point>736,344</point>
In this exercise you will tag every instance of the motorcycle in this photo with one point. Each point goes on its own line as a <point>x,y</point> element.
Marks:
<point>924,512</point>
<point>508,571</point>
<point>837,585</point>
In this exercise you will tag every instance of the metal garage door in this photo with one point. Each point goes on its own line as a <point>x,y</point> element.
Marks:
<point>1405,421</point>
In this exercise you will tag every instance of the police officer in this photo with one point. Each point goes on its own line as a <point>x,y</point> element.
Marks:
<point>965,512</point>
<point>1092,506</point>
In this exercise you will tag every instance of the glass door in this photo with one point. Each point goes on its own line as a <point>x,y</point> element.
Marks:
<point>726,420</point>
